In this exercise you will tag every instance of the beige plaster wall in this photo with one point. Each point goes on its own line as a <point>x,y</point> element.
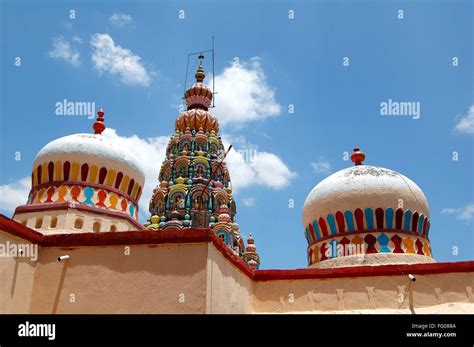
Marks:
<point>151,279</point>
<point>228,289</point>
<point>369,293</point>
<point>16,279</point>
<point>197,278</point>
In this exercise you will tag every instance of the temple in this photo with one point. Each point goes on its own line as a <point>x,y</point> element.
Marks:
<point>367,229</point>
<point>194,189</point>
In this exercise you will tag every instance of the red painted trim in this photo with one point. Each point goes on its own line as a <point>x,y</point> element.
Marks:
<point>17,229</point>
<point>228,254</point>
<point>51,206</point>
<point>206,235</point>
<point>126,238</point>
<point>365,271</point>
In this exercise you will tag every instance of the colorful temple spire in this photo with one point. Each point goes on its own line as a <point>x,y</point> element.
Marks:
<point>195,188</point>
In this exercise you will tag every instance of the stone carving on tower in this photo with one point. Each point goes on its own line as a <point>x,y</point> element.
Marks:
<point>195,188</point>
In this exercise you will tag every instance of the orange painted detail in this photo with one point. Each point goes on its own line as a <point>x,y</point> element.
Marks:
<point>39,196</point>
<point>101,195</point>
<point>113,201</point>
<point>44,174</point>
<point>426,247</point>
<point>50,193</point>
<point>75,191</point>
<point>123,204</point>
<point>93,174</point>
<point>74,171</point>
<point>62,191</point>
<point>408,242</point>
<point>58,171</point>
<point>35,178</point>
<point>316,253</point>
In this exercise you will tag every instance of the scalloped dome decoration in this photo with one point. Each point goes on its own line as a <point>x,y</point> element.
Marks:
<point>368,208</point>
<point>197,119</point>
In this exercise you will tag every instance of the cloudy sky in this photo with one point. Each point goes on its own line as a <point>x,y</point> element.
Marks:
<point>299,85</point>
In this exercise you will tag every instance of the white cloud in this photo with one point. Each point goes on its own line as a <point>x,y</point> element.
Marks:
<point>77,39</point>
<point>321,166</point>
<point>465,213</point>
<point>448,210</point>
<point>244,94</point>
<point>466,124</point>
<point>249,166</point>
<point>14,194</point>
<point>150,152</point>
<point>62,50</point>
<point>248,202</point>
<point>115,60</point>
<point>120,19</point>
<point>263,170</point>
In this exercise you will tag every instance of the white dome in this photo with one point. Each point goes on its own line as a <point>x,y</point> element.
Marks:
<point>92,144</point>
<point>363,186</point>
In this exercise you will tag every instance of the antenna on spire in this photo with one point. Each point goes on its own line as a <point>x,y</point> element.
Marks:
<point>213,77</point>
<point>201,58</point>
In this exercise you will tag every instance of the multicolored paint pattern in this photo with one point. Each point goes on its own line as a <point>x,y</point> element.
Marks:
<point>53,172</point>
<point>365,220</point>
<point>365,230</point>
<point>360,243</point>
<point>194,189</point>
<point>88,183</point>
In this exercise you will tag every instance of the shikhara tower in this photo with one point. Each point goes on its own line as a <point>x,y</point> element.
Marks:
<point>195,187</point>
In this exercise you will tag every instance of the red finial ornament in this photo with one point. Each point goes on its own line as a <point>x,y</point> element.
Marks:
<point>99,123</point>
<point>358,157</point>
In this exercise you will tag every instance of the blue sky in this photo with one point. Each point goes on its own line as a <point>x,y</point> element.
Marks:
<point>281,62</point>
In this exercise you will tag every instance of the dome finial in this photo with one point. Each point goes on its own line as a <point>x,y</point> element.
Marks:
<point>200,75</point>
<point>358,157</point>
<point>99,123</point>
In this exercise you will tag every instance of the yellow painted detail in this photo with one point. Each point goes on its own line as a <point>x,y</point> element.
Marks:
<point>74,171</point>
<point>111,178</point>
<point>124,185</point>
<point>93,174</point>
